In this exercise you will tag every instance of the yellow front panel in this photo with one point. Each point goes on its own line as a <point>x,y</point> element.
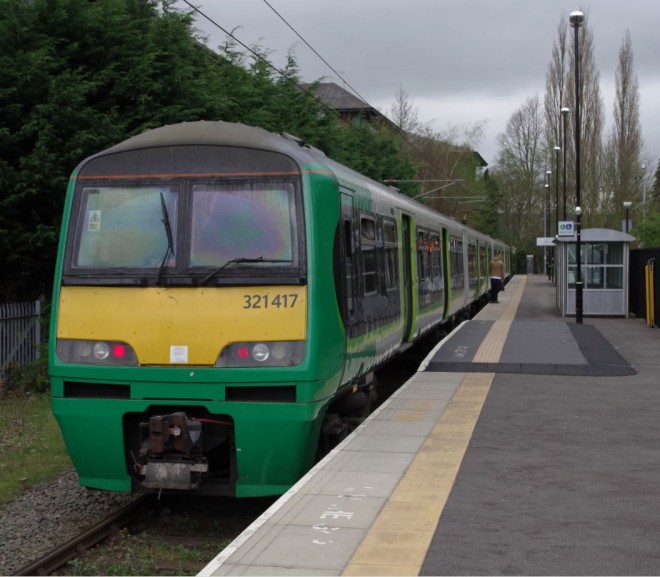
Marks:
<point>203,320</point>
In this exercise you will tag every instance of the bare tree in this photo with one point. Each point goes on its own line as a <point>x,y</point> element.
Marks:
<point>521,173</point>
<point>555,87</point>
<point>446,162</point>
<point>626,138</point>
<point>404,114</point>
<point>591,128</point>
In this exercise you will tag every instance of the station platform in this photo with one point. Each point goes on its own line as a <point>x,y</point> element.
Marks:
<point>526,444</point>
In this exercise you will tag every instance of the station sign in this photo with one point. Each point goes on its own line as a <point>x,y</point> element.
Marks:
<point>565,228</point>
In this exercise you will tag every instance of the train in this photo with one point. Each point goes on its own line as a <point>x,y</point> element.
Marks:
<point>223,296</point>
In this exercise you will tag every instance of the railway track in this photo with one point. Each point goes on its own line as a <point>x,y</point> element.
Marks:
<point>57,558</point>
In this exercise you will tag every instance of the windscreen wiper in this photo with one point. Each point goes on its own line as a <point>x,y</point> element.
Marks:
<point>170,240</point>
<point>239,260</point>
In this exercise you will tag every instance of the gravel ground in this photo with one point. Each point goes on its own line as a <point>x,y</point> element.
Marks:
<point>48,516</point>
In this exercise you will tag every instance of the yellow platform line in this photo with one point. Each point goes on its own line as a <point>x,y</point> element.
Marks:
<point>490,350</point>
<point>400,537</point>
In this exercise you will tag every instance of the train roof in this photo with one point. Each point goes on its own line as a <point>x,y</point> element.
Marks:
<point>206,132</point>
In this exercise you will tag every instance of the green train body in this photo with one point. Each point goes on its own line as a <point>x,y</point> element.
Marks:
<point>223,297</point>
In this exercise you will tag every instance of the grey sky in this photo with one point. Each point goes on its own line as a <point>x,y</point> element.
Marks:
<point>460,61</point>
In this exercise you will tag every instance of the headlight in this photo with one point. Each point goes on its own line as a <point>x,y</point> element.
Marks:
<point>267,354</point>
<point>112,353</point>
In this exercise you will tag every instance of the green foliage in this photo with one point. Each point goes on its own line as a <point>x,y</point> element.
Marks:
<point>144,554</point>
<point>375,153</point>
<point>648,230</point>
<point>78,76</point>
<point>27,378</point>
<point>487,214</point>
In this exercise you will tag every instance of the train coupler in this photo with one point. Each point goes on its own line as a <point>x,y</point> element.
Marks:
<point>171,453</point>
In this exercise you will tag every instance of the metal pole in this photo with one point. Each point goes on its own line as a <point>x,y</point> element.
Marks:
<point>643,196</point>
<point>564,114</point>
<point>626,205</point>
<point>557,149</point>
<point>548,217</point>
<point>545,231</point>
<point>576,20</point>
<point>556,232</point>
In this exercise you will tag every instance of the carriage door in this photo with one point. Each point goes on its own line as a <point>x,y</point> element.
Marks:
<point>406,276</point>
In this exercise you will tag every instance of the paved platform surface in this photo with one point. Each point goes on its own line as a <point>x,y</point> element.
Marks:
<point>525,445</point>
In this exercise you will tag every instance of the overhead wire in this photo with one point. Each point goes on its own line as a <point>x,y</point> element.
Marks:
<point>286,77</point>
<point>261,58</point>
<point>405,135</point>
<point>314,51</point>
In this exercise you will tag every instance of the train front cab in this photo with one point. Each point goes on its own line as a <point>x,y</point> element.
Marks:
<point>146,375</point>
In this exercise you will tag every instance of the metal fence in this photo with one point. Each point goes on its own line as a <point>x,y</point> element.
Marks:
<point>20,333</point>
<point>643,294</point>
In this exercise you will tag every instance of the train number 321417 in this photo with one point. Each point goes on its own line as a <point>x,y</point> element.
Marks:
<point>265,301</point>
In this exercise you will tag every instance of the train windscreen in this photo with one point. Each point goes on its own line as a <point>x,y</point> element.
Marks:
<point>124,227</point>
<point>242,220</point>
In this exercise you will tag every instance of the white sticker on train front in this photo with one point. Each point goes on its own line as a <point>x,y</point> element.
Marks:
<point>178,354</point>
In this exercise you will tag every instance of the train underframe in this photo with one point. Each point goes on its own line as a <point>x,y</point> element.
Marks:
<point>193,450</point>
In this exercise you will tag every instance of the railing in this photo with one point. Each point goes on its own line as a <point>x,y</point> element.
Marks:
<point>649,271</point>
<point>20,333</point>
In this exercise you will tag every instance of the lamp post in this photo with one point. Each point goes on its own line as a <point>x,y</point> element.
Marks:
<point>545,230</point>
<point>557,151</point>
<point>576,19</point>
<point>556,231</point>
<point>548,218</point>
<point>626,207</point>
<point>564,115</point>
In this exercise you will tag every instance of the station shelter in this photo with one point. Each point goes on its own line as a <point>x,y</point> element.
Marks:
<point>604,257</point>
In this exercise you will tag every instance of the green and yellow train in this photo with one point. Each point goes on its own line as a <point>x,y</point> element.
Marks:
<point>223,296</point>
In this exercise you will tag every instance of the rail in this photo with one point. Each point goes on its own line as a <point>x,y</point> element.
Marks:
<point>52,561</point>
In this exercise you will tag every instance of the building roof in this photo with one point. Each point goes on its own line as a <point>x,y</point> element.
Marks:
<point>349,106</point>
<point>598,235</point>
<point>336,97</point>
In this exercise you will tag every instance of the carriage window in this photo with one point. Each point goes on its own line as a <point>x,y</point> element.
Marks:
<point>436,263</point>
<point>423,255</point>
<point>456,259</point>
<point>368,249</point>
<point>472,262</point>
<point>243,220</point>
<point>391,255</point>
<point>122,227</point>
<point>483,262</point>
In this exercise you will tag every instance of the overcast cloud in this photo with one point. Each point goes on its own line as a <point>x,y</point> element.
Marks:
<point>461,62</point>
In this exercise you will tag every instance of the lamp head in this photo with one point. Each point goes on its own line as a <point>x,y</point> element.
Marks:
<point>557,148</point>
<point>565,111</point>
<point>627,204</point>
<point>576,19</point>
<point>578,211</point>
